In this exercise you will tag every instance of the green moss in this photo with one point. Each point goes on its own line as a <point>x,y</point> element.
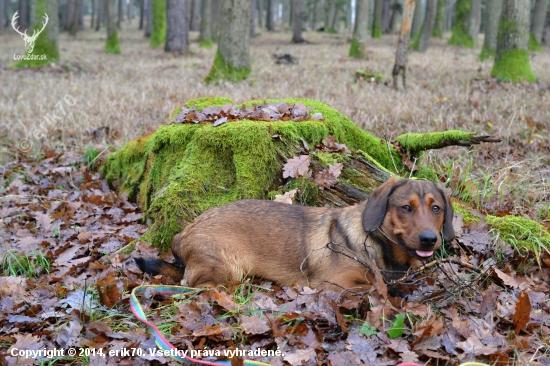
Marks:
<point>222,70</point>
<point>415,143</point>
<point>206,43</point>
<point>43,45</point>
<point>357,49</point>
<point>377,30</point>
<point>460,35</point>
<point>521,233</point>
<point>182,170</point>
<point>467,216</point>
<point>534,45</point>
<point>202,103</point>
<point>158,30</point>
<point>111,46</point>
<point>514,66</point>
<point>486,53</point>
<point>369,76</point>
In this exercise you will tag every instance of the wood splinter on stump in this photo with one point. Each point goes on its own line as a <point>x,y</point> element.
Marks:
<point>400,65</point>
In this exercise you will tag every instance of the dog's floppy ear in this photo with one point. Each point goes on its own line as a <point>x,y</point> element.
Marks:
<point>376,207</point>
<point>448,231</point>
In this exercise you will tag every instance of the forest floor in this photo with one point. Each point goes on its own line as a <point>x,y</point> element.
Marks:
<point>61,224</point>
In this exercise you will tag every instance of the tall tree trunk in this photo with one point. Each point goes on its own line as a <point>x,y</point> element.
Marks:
<point>298,19</point>
<point>23,9</point>
<point>537,25</point>
<point>120,13</point>
<point>377,21</point>
<point>214,24</point>
<point>148,18</point>
<point>512,58</point>
<point>428,26</point>
<point>195,20</point>
<point>417,18</point>
<point>270,16</point>
<point>260,10</point>
<point>253,11</point>
<point>386,16</point>
<point>232,60</point>
<point>396,11</point>
<point>492,18</point>
<point>70,14</point>
<point>206,29</point>
<point>158,30</point>
<point>46,44</point>
<point>358,47</point>
<point>335,16</point>
<point>475,20</point>
<point>73,27</point>
<point>93,7</point>
<point>314,12</point>
<point>141,14</point>
<point>400,65</point>
<point>111,46</point>
<point>330,9</point>
<point>439,19</point>
<point>460,35</point>
<point>2,15</point>
<point>100,14</point>
<point>177,35</point>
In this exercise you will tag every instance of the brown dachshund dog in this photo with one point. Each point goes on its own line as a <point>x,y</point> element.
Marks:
<point>397,227</point>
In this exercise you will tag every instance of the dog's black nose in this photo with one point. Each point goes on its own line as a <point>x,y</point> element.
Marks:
<point>428,238</point>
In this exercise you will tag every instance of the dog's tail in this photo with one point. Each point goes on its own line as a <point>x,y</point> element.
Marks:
<point>158,266</point>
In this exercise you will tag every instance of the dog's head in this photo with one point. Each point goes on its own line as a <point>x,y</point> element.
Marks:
<point>411,214</point>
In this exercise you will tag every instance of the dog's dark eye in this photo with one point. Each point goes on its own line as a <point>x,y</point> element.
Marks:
<point>436,209</point>
<point>406,208</point>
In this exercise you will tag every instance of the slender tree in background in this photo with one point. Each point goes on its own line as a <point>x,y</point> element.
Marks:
<point>232,60</point>
<point>72,27</point>
<point>93,8</point>
<point>330,10</point>
<point>120,13</point>
<point>358,47</point>
<point>377,21</point>
<point>260,11</point>
<point>46,42</point>
<point>158,31</point>
<point>400,65</point>
<point>177,35</point>
<point>396,10</point>
<point>2,12</point>
<point>439,19</point>
<point>537,25</point>
<point>270,16</point>
<point>111,46</point>
<point>417,19</point>
<point>253,11</point>
<point>70,15</point>
<point>492,18</point>
<point>512,58</point>
<point>385,16</point>
<point>195,19</point>
<point>22,8</point>
<point>215,14</point>
<point>148,18</point>
<point>421,43</point>
<point>100,14</point>
<point>206,40</point>
<point>298,20</point>
<point>141,14</point>
<point>474,21</point>
<point>460,35</point>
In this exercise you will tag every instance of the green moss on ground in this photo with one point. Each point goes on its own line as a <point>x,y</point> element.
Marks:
<point>416,143</point>
<point>520,232</point>
<point>467,216</point>
<point>514,66</point>
<point>206,43</point>
<point>43,44</point>
<point>357,50</point>
<point>111,46</point>
<point>158,29</point>
<point>534,45</point>
<point>182,170</point>
<point>222,70</point>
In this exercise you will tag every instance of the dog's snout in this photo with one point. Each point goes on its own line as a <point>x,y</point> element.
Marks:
<point>428,238</point>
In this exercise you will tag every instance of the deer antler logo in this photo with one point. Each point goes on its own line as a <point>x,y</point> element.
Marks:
<point>29,40</point>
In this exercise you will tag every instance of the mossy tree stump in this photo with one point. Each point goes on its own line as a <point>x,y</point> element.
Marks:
<point>182,170</point>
